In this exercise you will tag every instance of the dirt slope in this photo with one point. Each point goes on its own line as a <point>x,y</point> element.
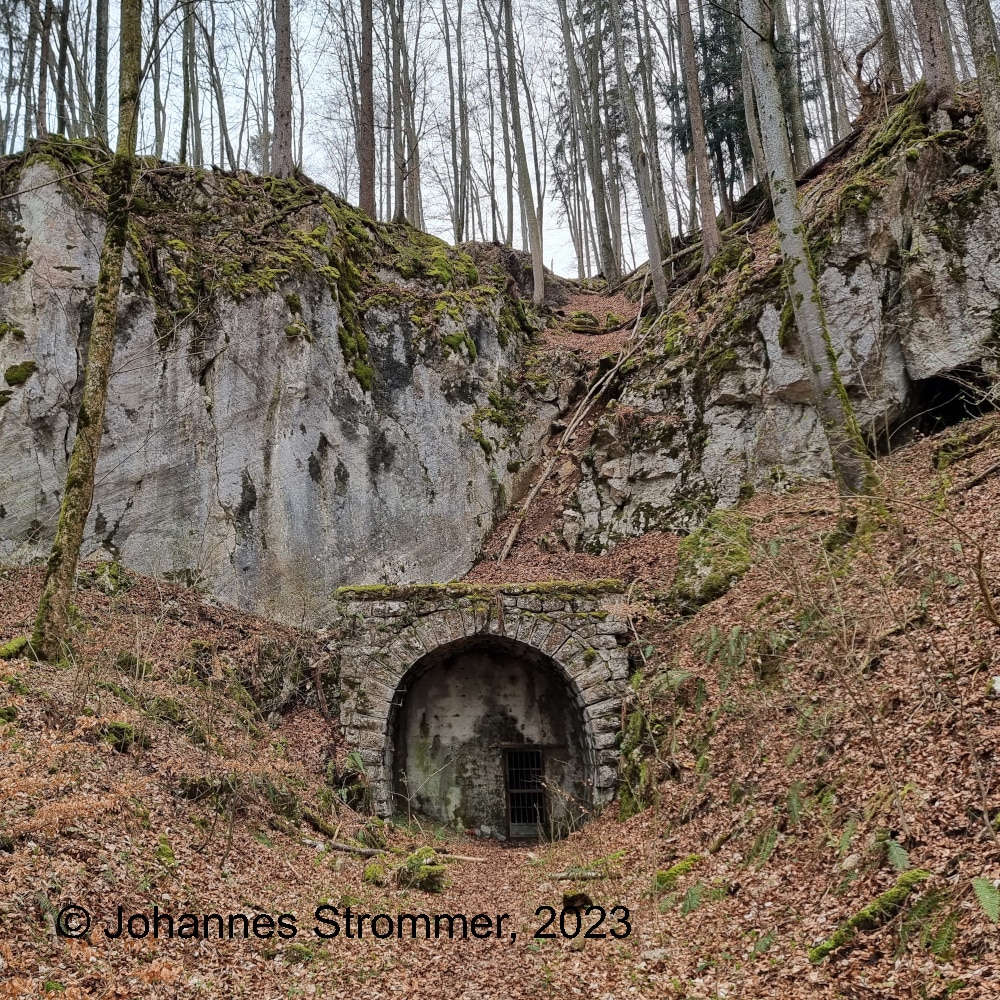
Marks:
<point>803,741</point>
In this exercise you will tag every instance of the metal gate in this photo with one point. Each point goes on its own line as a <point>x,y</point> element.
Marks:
<point>525,792</point>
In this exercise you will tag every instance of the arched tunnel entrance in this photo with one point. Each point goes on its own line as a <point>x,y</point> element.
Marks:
<point>489,734</point>
<point>493,707</point>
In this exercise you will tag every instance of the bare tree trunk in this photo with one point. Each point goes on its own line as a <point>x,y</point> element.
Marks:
<point>457,208</point>
<point>523,174</point>
<point>789,68</point>
<point>937,66</point>
<point>591,152</point>
<point>892,73</point>
<point>281,156</point>
<point>399,161</point>
<point>646,67</point>
<point>750,112</point>
<point>101,72</point>
<point>982,32</point>
<point>220,99</point>
<point>839,119</point>
<point>48,639</point>
<point>366,124</point>
<point>640,162</point>
<point>264,138</point>
<point>414,200</point>
<point>956,59</point>
<point>711,241</point>
<point>45,54</point>
<point>159,110</point>
<point>63,95</point>
<point>851,463</point>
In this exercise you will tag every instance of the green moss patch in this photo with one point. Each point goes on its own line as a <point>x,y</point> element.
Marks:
<point>18,374</point>
<point>422,870</point>
<point>123,737</point>
<point>15,648</point>
<point>876,913</point>
<point>712,559</point>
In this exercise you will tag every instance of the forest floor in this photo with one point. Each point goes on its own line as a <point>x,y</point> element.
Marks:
<point>826,729</point>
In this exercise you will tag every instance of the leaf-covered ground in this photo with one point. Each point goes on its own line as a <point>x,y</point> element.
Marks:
<point>803,742</point>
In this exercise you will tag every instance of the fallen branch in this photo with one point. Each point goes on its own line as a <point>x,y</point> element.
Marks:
<point>321,825</point>
<point>881,909</point>
<point>984,589</point>
<point>572,876</point>
<point>336,845</point>
<point>982,477</point>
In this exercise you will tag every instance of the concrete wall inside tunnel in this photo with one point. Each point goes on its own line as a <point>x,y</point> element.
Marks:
<point>483,669</point>
<point>458,712</point>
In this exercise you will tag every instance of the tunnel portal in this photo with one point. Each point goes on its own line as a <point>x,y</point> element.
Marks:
<point>491,709</point>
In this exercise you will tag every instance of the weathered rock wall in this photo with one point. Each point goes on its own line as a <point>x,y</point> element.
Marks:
<point>904,233</point>
<point>252,447</point>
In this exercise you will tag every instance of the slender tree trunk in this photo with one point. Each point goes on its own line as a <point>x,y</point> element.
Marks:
<point>892,72</point>
<point>63,93</point>
<point>982,32</point>
<point>839,118</point>
<point>366,124</point>
<point>750,113</point>
<point>48,639</point>
<point>226,152</point>
<point>850,458</point>
<point>465,155</point>
<point>159,111</point>
<point>956,60</point>
<point>711,241</point>
<point>28,81</point>
<point>44,56</point>
<point>101,71</point>
<point>523,173</point>
<point>496,30</point>
<point>264,138</point>
<point>281,157</point>
<point>399,161</point>
<point>457,208</point>
<point>591,152</point>
<point>646,67</point>
<point>789,69</point>
<point>192,55</point>
<point>640,162</point>
<point>415,209</point>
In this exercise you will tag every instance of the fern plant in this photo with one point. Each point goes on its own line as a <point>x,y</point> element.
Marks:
<point>988,896</point>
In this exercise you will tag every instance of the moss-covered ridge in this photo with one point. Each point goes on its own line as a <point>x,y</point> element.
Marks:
<point>202,235</point>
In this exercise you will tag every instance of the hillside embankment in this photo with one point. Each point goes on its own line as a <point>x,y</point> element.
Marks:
<point>814,724</point>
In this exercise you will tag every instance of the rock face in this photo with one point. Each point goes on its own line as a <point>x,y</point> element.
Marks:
<point>302,398</point>
<point>909,265</point>
<point>264,450</point>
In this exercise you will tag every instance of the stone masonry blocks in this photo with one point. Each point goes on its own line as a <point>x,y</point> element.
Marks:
<point>381,636</point>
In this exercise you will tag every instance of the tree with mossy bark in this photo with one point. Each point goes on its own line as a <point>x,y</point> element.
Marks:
<point>982,38</point>
<point>851,462</point>
<point>49,634</point>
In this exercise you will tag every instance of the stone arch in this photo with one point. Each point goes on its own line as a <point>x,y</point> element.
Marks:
<point>383,633</point>
<point>457,714</point>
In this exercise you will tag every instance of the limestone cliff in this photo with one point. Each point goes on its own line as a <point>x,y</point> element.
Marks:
<point>903,226</point>
<point>303,398</point>
<point>300,398</point>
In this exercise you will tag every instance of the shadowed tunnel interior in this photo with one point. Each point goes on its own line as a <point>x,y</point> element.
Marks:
<point>488,735</point>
